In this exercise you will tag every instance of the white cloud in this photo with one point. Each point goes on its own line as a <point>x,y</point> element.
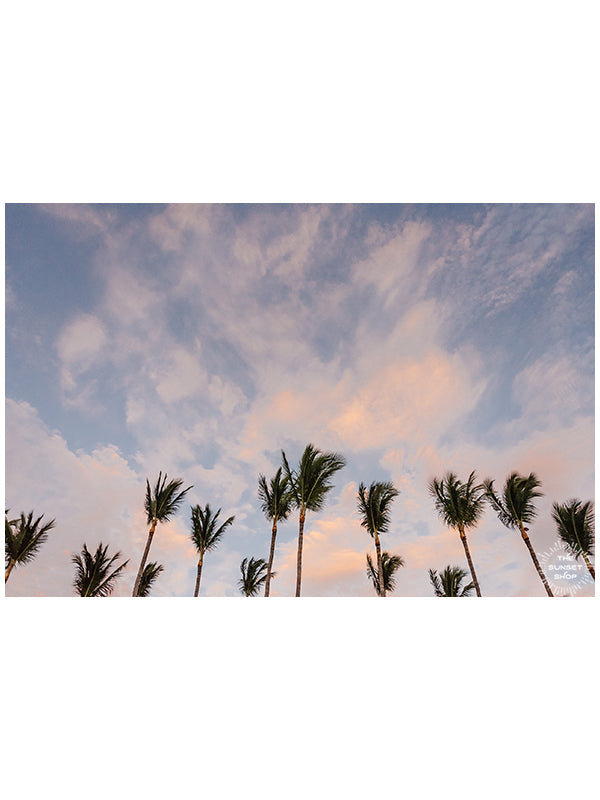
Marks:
<point>80,341</point>
<point>80,346</point>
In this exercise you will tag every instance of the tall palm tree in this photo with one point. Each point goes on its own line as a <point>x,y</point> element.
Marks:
<point>374,507</point>
<point>149,575</point>
<point>575,525</point>
<point>254,576</point>
<point>93,576</point>
<point>161,503</point>
<point>206,534</point>
<point>515,508</point>
<point>309,486</point>
<point>449,582</point>
<point>275,505</point>
<point>390,565</point>
<point>460,505</point>
<point>23,538</point>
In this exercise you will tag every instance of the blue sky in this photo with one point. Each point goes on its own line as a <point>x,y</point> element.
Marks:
<point>202,340</point>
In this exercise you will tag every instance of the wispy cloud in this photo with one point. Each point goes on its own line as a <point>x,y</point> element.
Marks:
<point>408,340</point>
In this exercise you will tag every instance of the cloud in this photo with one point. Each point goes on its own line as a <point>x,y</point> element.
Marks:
<point>92,496</point>
<point>227,334</point>
<point>412,399</point>
<point>82,220</point>
<point>80,345</point>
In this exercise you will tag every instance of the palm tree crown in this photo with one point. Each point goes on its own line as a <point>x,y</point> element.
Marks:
<point>460,505</point>
<point>276,504</point>
<point>254,575</point>
<point>206,532</point>
<point>93,576</point>
<point>449,582</point>
<point>149,575</point>
<point>275,500</point>
<point>164,499</point>
<point>390,565</point>
<point>374,506</point>
<point>311,482</point>
<point>515,506</point>
<point>575,525</point>
<point>23,538</point>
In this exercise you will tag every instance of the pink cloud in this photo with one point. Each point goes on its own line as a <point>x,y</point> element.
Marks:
<point>411,399</point>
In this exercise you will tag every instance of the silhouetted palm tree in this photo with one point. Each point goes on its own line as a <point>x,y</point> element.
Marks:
<point>449,582</point>
<point>390,565</point>
<point>515,508</point>
<point>275,505</point>
<point>93,576</point>
<point>149,575</point>
<point>309,486</point>
<point>254,575</point>
<point>23,538</point>
<point>460,505</point>
<point>206,534</point>
<point>374,507</point>
<point>161,503</point>
<point>575,525</point>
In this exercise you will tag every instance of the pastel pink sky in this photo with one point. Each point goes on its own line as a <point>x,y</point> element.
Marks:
<point>203,340</point>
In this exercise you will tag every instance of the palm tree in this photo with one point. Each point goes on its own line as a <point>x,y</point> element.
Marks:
<point>309,486</point>
<point>390,565</point>
<point>449,583</point>
<point>374,507</point>
<point>149,575</point>
<point>254,575</point>
<point>460,505</point>
<point>515,508</point>
<point>93,576</point>
<point>205,534</point>
<point>575,524</point>
<point>275,505</point>
<point>23,538</point>
<point>161,503</point>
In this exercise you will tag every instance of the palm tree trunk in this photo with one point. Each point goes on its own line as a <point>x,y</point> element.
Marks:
<point>534,558</point>
<point>136,585</point>
<point>379,565</point>
<point>463,538</point>
<point>11,564</point>
<point>589,566</point>
<point>299,557</point>
<point>197,589</point>
<point>271,556</point>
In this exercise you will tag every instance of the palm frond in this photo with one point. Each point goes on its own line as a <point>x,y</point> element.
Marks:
<point>206,532</point>
<point>292,480</point>
<point>23,538</point>
<point>449,583</point>
<point>275,497</point>
<point>458,504</point>
<point>374,506</point>
<point>93,576</point>
<point>575,526</point>
<point>149,575</point>
<point>311,482</point>
<point>390,565</point>
<point>254,576</point>
<point>516,505</point>
<point>164,499</point>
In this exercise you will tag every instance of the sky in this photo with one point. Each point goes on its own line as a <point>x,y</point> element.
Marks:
<point>202,340</point>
